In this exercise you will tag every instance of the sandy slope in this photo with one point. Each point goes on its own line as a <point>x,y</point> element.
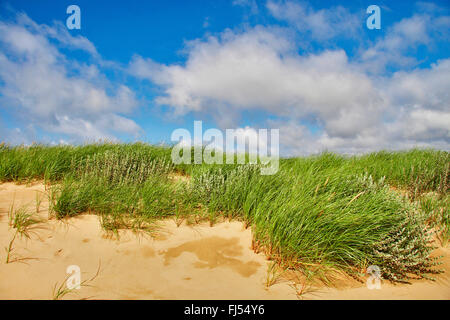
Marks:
<point>185,262</point>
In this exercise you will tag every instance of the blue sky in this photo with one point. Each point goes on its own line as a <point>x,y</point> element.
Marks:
<point>137,70</point>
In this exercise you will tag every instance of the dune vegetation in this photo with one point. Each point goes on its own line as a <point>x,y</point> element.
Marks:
<point>318,213</point>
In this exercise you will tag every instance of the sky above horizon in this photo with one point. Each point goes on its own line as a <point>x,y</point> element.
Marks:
<point>138,70</point>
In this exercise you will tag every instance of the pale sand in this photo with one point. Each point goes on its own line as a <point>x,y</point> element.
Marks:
<point>186,262</point>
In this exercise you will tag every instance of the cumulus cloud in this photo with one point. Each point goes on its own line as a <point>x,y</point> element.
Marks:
<point>354,110</point>
<point>44,88</point>
<point>259,69</point>
<point>427,87</point>
<point>416,114</point>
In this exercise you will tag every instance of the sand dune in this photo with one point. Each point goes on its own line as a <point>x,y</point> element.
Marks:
<point>185,262</point>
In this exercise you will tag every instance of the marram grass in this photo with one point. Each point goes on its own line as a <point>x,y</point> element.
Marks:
<point>337,212</point>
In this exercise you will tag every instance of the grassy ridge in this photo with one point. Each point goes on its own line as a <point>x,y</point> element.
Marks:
<point>326,210</point>
<point>24,163</point>
<point>417,171</point>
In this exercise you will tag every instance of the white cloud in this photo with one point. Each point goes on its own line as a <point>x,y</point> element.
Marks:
<point>422,87</point>
<point>94,129</point>
<point>259,69</point>
<point>398,47</point>
<point>43,88</point>
<point>59,32</point>
<point>323,24</point>
<point>390,50</point>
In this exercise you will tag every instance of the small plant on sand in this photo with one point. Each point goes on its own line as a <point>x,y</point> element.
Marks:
<point>52,195</point>
<point>11,212</point>
<point>9,249</point>
<point>38,201</point>
<point>61,290</point>
<point>179,218</point>
<point>23,223</point>
<point>302,286</point>
<point>274,274</point>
